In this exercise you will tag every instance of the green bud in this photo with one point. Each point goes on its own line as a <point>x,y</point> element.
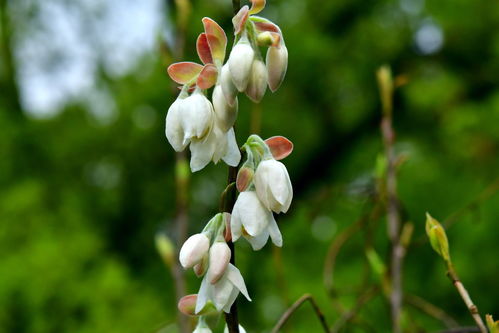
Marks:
<point>165,248</point>
<point>437,236</point>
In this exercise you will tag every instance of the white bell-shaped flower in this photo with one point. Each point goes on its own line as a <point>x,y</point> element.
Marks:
<point>273,185</point>
<point>277,64</point>
<point>193,250</point>
<point>252,220</point>
<point>219,259</point>
<point>240,62</point>
<point>217,145</point>
<point>225,113</point>
<point>173,127</point>
<point>196,116</point>
<point>257,83</point>
<point>224,292</point>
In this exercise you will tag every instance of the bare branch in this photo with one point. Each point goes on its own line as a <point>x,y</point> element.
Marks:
<point>295,306</point>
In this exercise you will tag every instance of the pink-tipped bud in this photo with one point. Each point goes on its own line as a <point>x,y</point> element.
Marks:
<point>240,63</point>
<point>193,250</point>
<point>244,178</point>
<point>219,259</point>
<point>187,305</point>
<point>277,64</point>
<point>257,83</point>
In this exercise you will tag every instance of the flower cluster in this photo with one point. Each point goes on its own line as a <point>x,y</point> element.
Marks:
<point>207,126</point>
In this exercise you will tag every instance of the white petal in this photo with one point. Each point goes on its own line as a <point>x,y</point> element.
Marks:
<point>226,114</point>
<point>252,212</point>
<point>231,300</point>
<point>274,231</point>
<point>240,61</point>
<point>236,278</point>
<point>259,241</point>
<point>202,152</point>
<point>204,294</point>
<point>222,291</point>
<point>235,223</point>
<point>233,155</point>
<point>173,128</point>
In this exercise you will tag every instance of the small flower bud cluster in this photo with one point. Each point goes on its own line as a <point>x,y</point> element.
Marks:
<point>209,256</point>
<point>207,126</point>
<point>265,189</point>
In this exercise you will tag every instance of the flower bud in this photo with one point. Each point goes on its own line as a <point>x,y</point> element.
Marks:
<point>240,63</point>
<point>225,113</point>
<point>257,83</point>
<point>193,250</point>
<point>273,185</point>
<point>187,305</point>
<point>173,127</point>
<point>244,178</point>
<point>196,116</point>
<point>438,238</point>
<point>277,64</point>
<point>219,259</point>
<point>228,87</point>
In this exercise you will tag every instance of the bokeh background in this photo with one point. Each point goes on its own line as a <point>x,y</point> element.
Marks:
<point>87,176</point>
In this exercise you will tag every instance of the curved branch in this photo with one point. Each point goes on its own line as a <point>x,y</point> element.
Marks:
<point>295,306</point>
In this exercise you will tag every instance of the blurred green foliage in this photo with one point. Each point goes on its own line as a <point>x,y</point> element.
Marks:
<point>81,199</point>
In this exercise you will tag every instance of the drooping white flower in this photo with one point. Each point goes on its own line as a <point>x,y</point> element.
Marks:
<point>277,64</point>
<point>173,127</point>
<point>196,116</point>
<point>252,220</point>
<point>240,62</point>
<point>193,250</point>
<point>273,185</point>
<point>241,329</point>
<point>257,83</point>
<point>225,113</point>
<point>219,260</point>
<point>217,145</point>
<point>224,292</point>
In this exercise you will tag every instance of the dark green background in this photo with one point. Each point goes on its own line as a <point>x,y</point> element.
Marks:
<point>80,202</point>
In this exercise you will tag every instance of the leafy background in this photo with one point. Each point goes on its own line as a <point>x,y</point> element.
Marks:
<point>87,176</point>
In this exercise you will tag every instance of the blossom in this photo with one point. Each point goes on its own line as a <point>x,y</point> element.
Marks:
<point>224,292</point>
<point>252,220</point>
<point>193,250</point>
<point>188,118</point>
<point>217,145</point>
<point>219,260</point>
<point>273,185</point>
<point>240,62</point>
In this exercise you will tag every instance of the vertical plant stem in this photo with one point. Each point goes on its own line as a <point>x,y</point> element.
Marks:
<point>451,273</point>
<point>397,250</point>
<point>181,223</point>
<point>229,198</point>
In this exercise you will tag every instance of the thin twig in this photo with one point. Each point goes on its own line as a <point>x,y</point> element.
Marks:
<point>285,317</point>
<point>451,273</point>
<point>350,314</point>
<point>461,330</point>
<point>431,310</point>
<point>397,250</point>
